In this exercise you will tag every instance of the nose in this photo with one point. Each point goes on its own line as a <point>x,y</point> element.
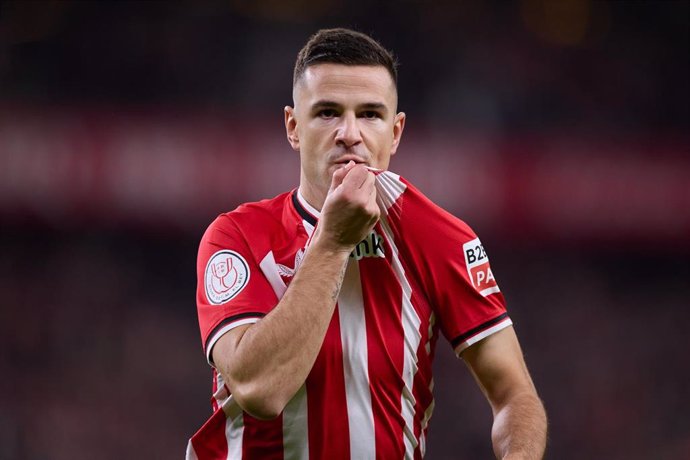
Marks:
<point>347,133</point>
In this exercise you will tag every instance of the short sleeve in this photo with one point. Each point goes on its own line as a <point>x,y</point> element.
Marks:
<point>231,289</point>
<point>453,266</point>
<point>464,289</point>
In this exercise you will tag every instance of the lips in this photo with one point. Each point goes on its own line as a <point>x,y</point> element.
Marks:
<point>346,159</point>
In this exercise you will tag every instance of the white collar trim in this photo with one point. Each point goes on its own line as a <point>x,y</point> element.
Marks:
<point>309,208</point>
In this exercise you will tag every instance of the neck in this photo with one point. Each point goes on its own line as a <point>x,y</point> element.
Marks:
<point>312,194</point>
<point>314,198</point>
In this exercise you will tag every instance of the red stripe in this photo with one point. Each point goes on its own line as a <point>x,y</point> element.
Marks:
<point>262,438</point>
<point>423,309</point>
<point>422,379</point>
<point>385,339</point>
<point>214,388</point>
<point>329,435</point>
<point>209,442</point>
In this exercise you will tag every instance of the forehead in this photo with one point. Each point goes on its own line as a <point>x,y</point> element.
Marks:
<point>346,82</point>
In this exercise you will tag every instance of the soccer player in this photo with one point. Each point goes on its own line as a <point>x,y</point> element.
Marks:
<point>320,308</point>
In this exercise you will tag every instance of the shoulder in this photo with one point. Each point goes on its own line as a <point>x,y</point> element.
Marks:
<point>249,218</point>
<point>424,218</point>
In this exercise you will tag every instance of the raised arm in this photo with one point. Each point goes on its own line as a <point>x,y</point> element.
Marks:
<point>519,428</point>
<point>266,363</point>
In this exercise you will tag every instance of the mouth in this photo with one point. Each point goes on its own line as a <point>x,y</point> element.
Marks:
<point>342,161</point>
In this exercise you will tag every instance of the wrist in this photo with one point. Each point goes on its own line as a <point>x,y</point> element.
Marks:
<point>330,246</point>
<point>330,250</point>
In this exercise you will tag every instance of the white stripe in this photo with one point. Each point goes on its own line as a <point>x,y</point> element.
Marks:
<point>425,422</point>
<point>389,187</point>
<point>413,338</point>
<point>191,453</point>
<point>270,270</point>
<point>309,229</point>
<point>221,393</point>
<point>296,427</point>
<point>490,290</point>
<point>219,333</point>
<point>353,335</point>
<point>482,335</point>
<point>234,428</point>
<point>295,422</point>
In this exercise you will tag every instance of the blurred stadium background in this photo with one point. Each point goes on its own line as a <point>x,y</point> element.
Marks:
<point>558,129</point>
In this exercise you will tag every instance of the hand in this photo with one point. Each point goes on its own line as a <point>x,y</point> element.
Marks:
<point>350,210</point>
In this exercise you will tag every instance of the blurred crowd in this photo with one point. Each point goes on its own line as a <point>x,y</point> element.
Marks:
<point>100,352</point>
<point>493,66</point>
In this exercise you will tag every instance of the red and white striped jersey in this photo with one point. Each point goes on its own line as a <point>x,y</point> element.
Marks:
<point>421,271</point>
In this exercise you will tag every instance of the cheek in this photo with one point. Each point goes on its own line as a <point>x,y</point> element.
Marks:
<point>318,141</point>
<point>382,140</point>
<point>314,137</point>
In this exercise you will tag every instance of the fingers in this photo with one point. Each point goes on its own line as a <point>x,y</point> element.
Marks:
<point>350,209</point>
<point>360,186</point>
<point>358,177</point>
<point>340,174</point>
<point>354,183</point>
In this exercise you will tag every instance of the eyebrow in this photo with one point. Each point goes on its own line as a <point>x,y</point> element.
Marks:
<point>326,104</point>
<point>375,106</point>
<point>320,104</point>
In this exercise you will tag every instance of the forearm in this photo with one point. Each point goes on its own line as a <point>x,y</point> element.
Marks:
<point>519,428</point>
<point>265,364</point>
<point>273,357</point>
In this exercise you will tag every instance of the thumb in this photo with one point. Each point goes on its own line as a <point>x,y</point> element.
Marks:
<point>340,174</point>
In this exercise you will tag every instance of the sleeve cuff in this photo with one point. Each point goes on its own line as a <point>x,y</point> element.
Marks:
<point>226,326</point>
<point>480,332</point>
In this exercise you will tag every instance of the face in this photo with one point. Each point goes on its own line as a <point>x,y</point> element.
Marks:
<point>342,113</point>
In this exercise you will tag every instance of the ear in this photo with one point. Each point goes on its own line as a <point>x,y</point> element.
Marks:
<point>291,127</point>
<point>398,127</point>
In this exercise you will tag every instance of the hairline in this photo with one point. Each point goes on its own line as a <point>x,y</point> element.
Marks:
<point>300,80</point>
<point>318,63</point>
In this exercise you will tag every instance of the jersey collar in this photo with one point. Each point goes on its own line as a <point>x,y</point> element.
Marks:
<point>304,209</point>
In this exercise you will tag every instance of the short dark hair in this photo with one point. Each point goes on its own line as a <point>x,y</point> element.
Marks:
<point>344,46</point>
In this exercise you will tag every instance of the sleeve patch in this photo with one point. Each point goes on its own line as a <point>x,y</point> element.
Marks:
<point>227,273</point>
<point>478,268</point>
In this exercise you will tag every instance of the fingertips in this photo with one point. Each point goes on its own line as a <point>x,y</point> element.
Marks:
<point>340,174</point>
<point>359,176</point>
<point>369,181</point>
<point>338,177</point>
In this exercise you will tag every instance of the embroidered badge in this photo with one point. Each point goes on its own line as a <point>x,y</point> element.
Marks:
<point>227,273</point>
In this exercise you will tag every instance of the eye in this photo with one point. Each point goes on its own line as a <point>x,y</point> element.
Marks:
<point>371,115</point>
<point>327,113</point>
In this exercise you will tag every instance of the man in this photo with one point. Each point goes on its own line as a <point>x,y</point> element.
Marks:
<point>320,308</point>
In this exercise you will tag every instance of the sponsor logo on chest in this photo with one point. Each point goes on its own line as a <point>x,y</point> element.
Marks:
<point>371,246</point>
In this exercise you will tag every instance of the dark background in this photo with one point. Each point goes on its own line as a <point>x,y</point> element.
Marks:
<point>557,129</point>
